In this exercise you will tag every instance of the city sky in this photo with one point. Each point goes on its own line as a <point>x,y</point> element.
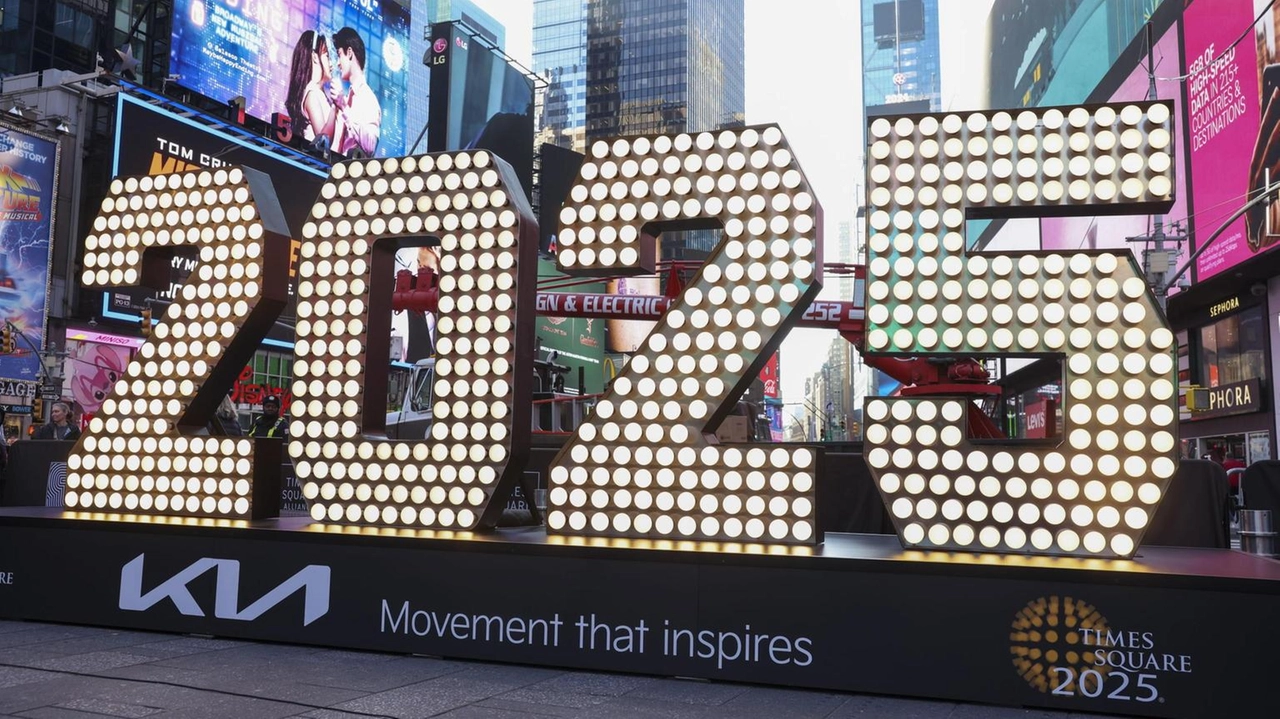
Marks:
<point>803,72</point>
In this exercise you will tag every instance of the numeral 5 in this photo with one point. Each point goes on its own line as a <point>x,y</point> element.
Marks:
<point>928,296</point>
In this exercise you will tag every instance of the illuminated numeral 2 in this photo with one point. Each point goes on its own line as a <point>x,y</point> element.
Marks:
<point>143,452</point>
<point>643,465</point>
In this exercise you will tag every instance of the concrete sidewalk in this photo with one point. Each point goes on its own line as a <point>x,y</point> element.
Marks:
<point>50,671</point>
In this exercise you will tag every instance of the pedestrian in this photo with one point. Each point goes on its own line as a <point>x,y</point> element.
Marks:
<point>60,425</point>
<point>271,423</point>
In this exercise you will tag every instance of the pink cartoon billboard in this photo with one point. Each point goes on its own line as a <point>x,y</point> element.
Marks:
<point>94,361</point>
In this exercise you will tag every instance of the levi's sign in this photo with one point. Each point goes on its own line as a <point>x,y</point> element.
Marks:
<point>313,580</point>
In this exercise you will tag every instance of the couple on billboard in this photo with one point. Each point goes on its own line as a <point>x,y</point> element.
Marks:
<point>350,121</point>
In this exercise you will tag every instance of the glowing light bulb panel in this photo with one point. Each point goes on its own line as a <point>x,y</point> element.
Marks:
<point>471,203</point>
<point>142,452</point>
<point>927,296</point>
<point>644,465</point>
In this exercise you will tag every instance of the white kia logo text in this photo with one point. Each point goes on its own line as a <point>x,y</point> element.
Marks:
<point>313,580</point>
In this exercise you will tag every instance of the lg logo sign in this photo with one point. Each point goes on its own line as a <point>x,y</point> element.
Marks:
<point>312,580</point>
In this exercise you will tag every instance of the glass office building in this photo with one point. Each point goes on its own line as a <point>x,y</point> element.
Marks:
<point>632,67</point>
<point>560,55</point>
<point>629,67</point>
<point>901,56</point>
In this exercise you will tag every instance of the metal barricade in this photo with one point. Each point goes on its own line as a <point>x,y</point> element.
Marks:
<point>1257,533</point>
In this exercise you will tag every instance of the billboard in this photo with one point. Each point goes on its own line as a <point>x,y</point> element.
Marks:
<point>28,187</point>
<point>1233,117</point>
<point>1024,53</point>
<point>152,141</point>
<point>94,362</point>
<point>479,101</point>
<point>1111,232</point>
<point>336,68</point>
<point>577,341</point>
<point>1223,119</point>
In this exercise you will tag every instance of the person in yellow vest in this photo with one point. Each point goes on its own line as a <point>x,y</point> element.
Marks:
<point>271,423</point>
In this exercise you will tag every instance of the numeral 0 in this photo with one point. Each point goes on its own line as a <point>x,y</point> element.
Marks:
<point>350,472</point>
<point>139,453</point>
<point>644,465</point>
<point>927,296</point>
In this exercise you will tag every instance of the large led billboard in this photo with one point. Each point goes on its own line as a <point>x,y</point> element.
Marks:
<point>1233,117</point>
<point>28,186</point>
<point>336,68</point>
<point>479,101</point>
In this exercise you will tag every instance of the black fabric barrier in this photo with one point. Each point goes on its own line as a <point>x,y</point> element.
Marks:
<point>1194,510</point>
<point>1162,635</point>
<point>1261,486</point>
<point>26,478</point>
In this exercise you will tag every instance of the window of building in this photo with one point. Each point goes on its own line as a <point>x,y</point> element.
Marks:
<point>1233,349</point>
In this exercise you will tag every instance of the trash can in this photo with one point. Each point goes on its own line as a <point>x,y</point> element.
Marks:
<point>1257,534</point>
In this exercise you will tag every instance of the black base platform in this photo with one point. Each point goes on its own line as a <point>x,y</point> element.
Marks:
<point>1174,632</point>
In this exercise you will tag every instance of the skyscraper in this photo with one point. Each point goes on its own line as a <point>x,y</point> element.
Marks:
<point>632,67</point>
<point>560,54</point>
<point>425,15</point>
<point>900,56</point>
<point>629,67</point>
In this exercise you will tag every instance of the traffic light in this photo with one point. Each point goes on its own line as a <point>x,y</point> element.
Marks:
<point>7,345</point>
<point>144,323</point>
<point>37,410</point>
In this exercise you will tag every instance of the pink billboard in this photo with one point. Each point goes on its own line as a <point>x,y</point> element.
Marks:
<point>1223,118</point>
<point>1111,232</point>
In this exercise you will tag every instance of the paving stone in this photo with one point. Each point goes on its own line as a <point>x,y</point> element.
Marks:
<point>632,707</point>
<point>482,711</point>
<point>892,708</point>
<point>687,692</point>
<point>531,709</point>
<point>454,690</point>
<point>292,691</point>
<point>107,640</point>
<point>110,708</point>
<point>980,711</point>
<point>55,690</point>
<point>773,703</point>
<point>554,697</point>
<point>93,662</point>
<point>57,713</point>
<point>610,685</point>
<point>240,655</point>
<point>39,637</point>
<point>26,655</point>
<point>223,707</point>
<point>14,676</point>
<point>153,672</point>
<point>181,646</point>
<point>9,625</point>
<point>372,677</point>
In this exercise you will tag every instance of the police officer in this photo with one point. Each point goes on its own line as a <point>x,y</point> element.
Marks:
<point>271,423</point>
